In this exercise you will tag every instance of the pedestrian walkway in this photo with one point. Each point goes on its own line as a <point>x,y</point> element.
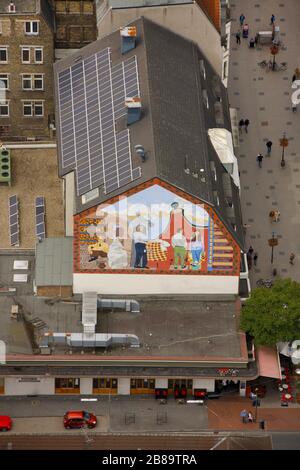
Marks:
<point>265,99</point>
<point>225,414</point>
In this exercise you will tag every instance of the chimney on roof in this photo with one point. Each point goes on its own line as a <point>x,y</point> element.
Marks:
<point>12,7</point>
<point>128,38</point>
<point>140,151</point>
<point>134,109</point>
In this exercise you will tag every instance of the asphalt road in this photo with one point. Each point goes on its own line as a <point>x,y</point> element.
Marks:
<point>286,440</point>
<point>120,413</point>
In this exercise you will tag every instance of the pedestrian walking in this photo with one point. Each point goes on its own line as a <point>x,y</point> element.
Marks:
<point>296,75</point>
<point>269,147</point>
<point>252,43</point>
<point>292,258</point>
<point>244,416</point>
<point>245,31</point>
<point>242,19</point>
<point>250,417</point>
<point>272,216</point>
<point>249,260</point>
<point>276,216</point>
<point>272,21</point>
<point>255,259</point>
<point>241,125</point>
<point>238,37</point>
<point>251,250</point>
<point>247,122</point>
<point>259,158</point>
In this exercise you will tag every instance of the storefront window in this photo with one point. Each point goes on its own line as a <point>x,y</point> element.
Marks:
<point>63,382</point>
<point>114,383</point>
<point>142,384</point>
<point>178,383</point>
<point>133,383</point>
<point>105,382</point>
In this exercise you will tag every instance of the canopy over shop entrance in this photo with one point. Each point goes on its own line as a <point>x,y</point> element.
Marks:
<point>268,362</point>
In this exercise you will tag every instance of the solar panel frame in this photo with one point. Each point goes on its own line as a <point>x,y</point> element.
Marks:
<point>40,229</point>
<point>14,229</point>
<point>92,96</point>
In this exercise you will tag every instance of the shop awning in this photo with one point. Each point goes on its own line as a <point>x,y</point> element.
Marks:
<point>221,140</point>
<point>268,362</point>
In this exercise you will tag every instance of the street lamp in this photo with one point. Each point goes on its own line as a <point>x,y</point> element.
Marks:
<point>274,49</point>
<point>256,404</point>
<point>283,143</point>
<point>273,242</point>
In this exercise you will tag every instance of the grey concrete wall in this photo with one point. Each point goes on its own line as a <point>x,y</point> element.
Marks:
<point>86,386</point>
<point>124,386</point>
<point>17,386</point>
<point>187,20</point>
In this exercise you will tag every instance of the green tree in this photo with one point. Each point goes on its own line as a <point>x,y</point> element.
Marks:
<point>273,315</point>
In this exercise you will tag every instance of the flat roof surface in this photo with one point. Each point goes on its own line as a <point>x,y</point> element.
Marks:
<point>178,328</point>
<point>34,173</point>
<point>54,262</point>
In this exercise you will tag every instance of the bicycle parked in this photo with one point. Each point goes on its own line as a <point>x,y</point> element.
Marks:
<point>269,65</point>
<point>265,283</point>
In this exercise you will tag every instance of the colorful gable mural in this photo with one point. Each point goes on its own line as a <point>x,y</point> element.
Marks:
<point>153,230</point>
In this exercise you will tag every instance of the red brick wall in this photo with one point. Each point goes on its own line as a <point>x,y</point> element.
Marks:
<point>213,9</point>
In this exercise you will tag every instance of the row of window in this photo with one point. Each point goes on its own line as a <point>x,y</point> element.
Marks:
<point>29,54</point>
<point>109,382</point>
<point>31,28</point>
<point>29,81</point>
<point>33,108</point>
<point>84,7</point>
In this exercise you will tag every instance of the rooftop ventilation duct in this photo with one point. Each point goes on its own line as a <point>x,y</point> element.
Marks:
<point>90,339</point>
<point>127,305</point>
<point>134,109</point>
<point>128,38</point>
<point>82,340</point>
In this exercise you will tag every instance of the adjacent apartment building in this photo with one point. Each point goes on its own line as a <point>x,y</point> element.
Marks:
<point>26,73</point>
<point>75,23</point>
<point>185,17</point>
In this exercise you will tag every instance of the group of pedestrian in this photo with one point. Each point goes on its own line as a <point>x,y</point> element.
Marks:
<point>274,215</point>
<point>245,29</point>
<point>244,123</point>
<point>251,256</point>
<point>296,75</point>
<point>246,416</point>
<point>292,258</point>
<point>260,157</point>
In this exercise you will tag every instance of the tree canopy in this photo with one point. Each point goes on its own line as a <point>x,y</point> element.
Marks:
<point>272,315</point>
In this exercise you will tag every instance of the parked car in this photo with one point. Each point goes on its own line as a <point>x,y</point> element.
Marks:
<point>79,419</point>
<point>5,423</point>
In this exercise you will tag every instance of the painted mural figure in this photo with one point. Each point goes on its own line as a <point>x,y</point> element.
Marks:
<point>179,243</point>
<point>196,247</point>
<point>153,229</point>
<point>117,255</point>
<point>140,243</point>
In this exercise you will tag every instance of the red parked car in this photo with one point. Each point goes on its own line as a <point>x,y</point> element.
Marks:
<point>5,423</point>
<point>79,419</point>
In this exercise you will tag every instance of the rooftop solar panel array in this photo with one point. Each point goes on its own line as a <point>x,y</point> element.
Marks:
<point>13,208</point>
<point>92,96</point>
<point>40,218</point>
